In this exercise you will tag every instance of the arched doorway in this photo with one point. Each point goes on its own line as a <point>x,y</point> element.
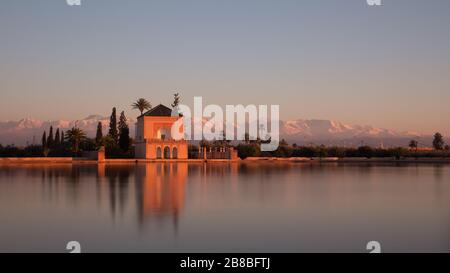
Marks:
<point>158,153</point>
<point>175,152</point>
<point>166,152</point>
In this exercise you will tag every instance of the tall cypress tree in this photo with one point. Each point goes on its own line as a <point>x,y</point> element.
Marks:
<point>57,137</point>
<point>99,135</point>
<point>50,138</point>
<point>62,137</point>
<point>124,133</point>
<point>113,126</point>
<point>44,140</point>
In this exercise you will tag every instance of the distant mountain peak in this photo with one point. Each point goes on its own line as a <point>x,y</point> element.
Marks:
<point>28,123</point>
<point>96,117</point>
<point>331,132</point>
<point>27,130</point>
<point>299,131</point>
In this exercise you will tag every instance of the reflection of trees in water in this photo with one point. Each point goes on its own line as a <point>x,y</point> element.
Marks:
<point>67,177</point>
<point>159,192</point>
<point>438,171</point>
<point>118,181</point>
<point>53,178</point>
<point>159,188</point>
<point>48,171</point>
<point>439,188</point>
<point>8,172</point>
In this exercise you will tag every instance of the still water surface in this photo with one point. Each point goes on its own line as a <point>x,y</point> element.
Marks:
<point>252,207</point>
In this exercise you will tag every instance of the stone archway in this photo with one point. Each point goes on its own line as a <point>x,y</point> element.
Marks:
<point>158,153</point>
<point>175,152</point>
<point>166,152</point>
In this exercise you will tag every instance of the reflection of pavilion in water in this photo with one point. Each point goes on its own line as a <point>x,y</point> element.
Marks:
<point>160,190</point>
<point>155,192</point>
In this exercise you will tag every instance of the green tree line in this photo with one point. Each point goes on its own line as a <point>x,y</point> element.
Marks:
<point>74,141</point>
<point>252,149</point>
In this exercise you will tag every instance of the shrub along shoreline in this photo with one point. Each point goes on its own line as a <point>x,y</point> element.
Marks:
<point>287,151</point>
<point>250,150</point>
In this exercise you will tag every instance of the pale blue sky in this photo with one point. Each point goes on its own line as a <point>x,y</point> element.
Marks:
<point>386,66</point>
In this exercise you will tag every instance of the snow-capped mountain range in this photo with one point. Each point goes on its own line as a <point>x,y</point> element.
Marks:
<point>328,132</point>
<point>300,131</point>
<point>29,131</point>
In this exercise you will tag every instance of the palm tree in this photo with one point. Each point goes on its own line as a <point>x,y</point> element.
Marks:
<point>142,105</point>
<point>74,136</point>
<point>413,144</point>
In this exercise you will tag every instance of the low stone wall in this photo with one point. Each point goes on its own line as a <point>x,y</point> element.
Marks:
<point>436,160</point>
<point>351,159</point>
<point>284,159</point>
<point>9,160</point>
<point>82,160</point>
<point>95,155</point>
<point>18,160</point>
<point>91,155</point>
